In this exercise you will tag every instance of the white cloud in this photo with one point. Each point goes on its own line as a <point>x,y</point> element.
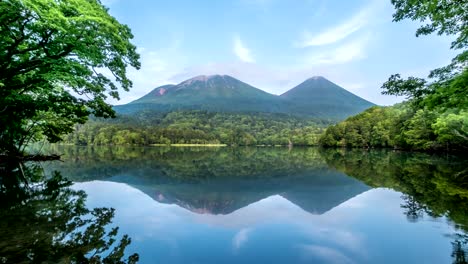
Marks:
<point>157,68</point>
<point>339,32</point>
<point>347,52</point>
<point>329,255</point>
<point>334,34</point>
<point>155,71</point>
<point>241,51</point>
<point>241,238</point>
<point>277,79</point>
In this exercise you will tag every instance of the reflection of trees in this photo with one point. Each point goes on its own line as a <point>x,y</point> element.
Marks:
<point>431,184</point>
<point>215,180</point>
<point>46,221</point>
<point>186,164</point>
<point>460,249</point>
<point>412,209</point>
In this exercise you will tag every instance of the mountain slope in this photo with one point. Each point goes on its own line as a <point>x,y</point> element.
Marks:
<point>316,97</point>
<point>215,93</point>
<point>321,97</point>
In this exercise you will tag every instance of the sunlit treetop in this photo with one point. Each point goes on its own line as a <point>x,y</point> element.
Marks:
<point>51,51</point>
<point>448,88</point>
<point>445,17</point>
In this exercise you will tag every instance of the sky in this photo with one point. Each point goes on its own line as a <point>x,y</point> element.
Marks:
<point>275,45</point>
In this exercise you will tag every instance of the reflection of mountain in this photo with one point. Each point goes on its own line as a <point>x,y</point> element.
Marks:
<point>314,190</point>
<point>218,181</point>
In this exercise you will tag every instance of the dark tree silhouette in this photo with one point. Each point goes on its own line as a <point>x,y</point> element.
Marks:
<point>43,220</point>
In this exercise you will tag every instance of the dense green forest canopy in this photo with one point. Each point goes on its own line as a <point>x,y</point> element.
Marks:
<point>401,126</point>
<point>199,127</point>
<point>59,61</point>
<point>435,115</point>
<point>54,54</point>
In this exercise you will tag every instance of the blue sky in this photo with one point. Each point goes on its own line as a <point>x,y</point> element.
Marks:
<point>276,44</point>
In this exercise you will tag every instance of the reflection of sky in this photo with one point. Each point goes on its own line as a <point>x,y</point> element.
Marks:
<point>369,228</point>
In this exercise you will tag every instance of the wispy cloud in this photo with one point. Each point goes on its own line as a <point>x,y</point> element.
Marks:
<point>338,32</point>
<point>347,52</point>
<point>329,255</point>
<point>157,68</point>
<point>241,51</point>
<point>241,238</point>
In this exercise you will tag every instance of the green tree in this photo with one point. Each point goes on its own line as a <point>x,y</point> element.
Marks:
<point>419,132</point>
<point>452,128</point>
<point>434,117</point>
<point>50,51</point>
<point>448,85</point>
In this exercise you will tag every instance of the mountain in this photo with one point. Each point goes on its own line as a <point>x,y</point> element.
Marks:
<point>316,97</point>
<point>215,93</point>
<point>321,97</point>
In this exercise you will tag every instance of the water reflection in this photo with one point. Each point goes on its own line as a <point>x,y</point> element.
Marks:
<point>274,205</point>
<point>43,220</point>
<point>219,181</point>
<point>435,185</point>
<point>432,185</point>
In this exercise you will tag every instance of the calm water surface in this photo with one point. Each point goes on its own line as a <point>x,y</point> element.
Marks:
<point>276,205</point>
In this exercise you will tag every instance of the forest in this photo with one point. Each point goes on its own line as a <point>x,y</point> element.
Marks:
<point>435,114</point>
<point>199,127</point>
<point>48,61</point>
<point>402,127</point>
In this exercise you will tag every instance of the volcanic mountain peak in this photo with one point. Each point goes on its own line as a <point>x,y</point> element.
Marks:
<point>203,78</point>
<point>315,97</point>
<point>315,78</point>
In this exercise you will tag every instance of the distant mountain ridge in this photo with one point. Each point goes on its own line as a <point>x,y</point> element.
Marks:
<point>316,97</point>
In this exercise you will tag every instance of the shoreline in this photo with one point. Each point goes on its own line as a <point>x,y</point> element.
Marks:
<point>188,145</point>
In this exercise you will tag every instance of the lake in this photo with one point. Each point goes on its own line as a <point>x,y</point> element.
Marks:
<point>241,205</point>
